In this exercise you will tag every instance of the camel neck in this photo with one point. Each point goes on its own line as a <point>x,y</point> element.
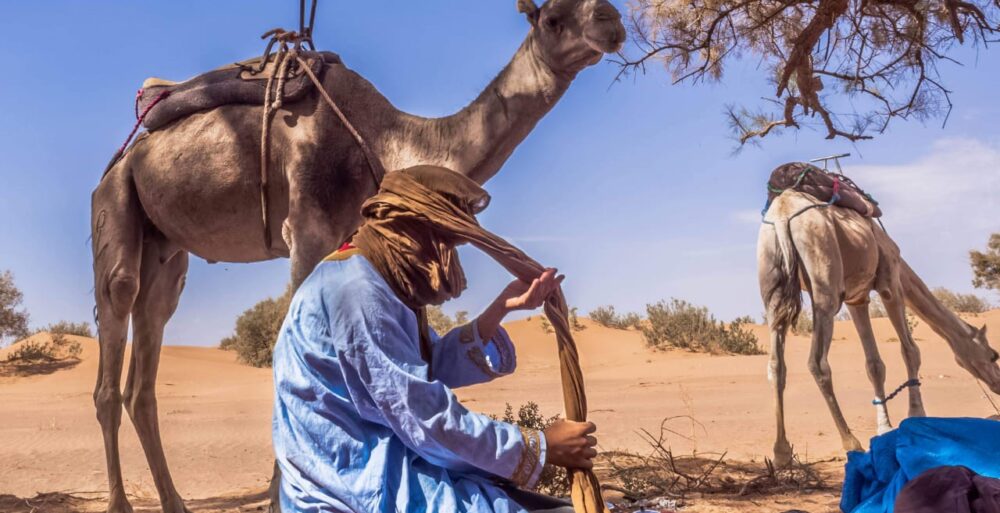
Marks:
<point>943,321</point>
<point>477,140</point>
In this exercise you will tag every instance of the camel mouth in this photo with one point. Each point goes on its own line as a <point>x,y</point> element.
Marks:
<point>604,40</point>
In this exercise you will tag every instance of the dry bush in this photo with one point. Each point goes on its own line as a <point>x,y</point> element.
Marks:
<point>553,480</point>
<point>961,303</point>
<point>664,474</point>
<point>574,321</point>
<point>685,326</point>
<point>257,330</point>
<point>441,322</point>
<point>804,324</point>
<point>80,329</point>
<point>607,316</point>
<point>57,348</point>
<point>852,66</point>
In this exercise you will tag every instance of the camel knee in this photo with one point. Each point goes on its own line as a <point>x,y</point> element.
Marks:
<point>122,289</point>
<point>876,371</point>
<point>776,373</point>
<point>108,402</point>
<point>820,372</point>
<point>139,400</point>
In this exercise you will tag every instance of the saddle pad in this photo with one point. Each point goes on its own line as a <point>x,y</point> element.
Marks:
<point>224,86</point>
<point>819,184</point>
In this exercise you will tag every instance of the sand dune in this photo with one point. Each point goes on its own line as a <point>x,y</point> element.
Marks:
<point>215,412</point>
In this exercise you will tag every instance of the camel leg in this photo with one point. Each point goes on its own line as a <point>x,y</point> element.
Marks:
<point>777,373</point>
<point>896,309</point>
<point>117,239</point>
<point>309,239</point>
<point>873,363</point>
<point>162,280</point>
<point>825,308</point>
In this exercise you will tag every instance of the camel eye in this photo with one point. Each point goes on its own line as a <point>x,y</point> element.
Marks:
<point>552,24</point>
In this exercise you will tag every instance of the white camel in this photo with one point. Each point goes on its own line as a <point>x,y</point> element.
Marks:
<point>838,256</point>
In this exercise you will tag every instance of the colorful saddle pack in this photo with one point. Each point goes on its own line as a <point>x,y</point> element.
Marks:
<point>832,188</point>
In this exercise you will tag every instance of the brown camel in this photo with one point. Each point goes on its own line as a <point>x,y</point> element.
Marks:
<point>194,187</point>
<point>838,256</point>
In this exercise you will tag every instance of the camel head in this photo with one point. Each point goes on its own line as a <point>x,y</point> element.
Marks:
<point>981,360</point>
<point>573,34</point>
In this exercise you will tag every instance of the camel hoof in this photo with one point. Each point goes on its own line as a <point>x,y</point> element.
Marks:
<point>119,505</point>
<point>782,454</point>
<point>852,444</point>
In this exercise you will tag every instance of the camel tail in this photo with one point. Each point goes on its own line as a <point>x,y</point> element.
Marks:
<point>784,299</point>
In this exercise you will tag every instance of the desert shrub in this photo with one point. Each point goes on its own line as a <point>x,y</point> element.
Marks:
<point>13,320</point>
<point>80,329</point>
<point>58,347</point>
<point>553,480</point>
<point>876,309</point>
<point>686,326</point>
<point>439,321</point>
<point>961,303</point>
<point>574,321</point>
<point>607,317</point>
<point>257,330</point>
<point>546,325</point>
<point>804,324</point>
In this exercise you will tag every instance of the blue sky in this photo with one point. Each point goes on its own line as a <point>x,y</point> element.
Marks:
<point>631,189</point>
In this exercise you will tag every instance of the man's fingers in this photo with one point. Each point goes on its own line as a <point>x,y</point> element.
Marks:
<point>590,428</point>
<point>591,441</point>
<point>590,453</point>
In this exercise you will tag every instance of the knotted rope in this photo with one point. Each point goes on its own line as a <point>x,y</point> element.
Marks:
<point>908,383</point>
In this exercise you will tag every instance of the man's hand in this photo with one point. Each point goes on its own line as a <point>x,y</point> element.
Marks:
<point>521,295</point>
<point>570,444</point>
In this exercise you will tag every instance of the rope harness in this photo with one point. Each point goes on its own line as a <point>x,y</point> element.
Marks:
<point>907,384</point>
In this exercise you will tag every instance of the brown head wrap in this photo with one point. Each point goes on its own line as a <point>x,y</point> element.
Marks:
<point>409,235</point>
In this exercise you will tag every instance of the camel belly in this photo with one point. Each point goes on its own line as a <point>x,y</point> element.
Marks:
<point>199,184</point>
<point>858,254</point>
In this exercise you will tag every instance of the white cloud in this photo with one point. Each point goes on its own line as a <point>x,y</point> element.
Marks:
<point>940,205</point>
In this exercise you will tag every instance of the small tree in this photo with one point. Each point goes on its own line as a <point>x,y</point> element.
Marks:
<point>683,325</point>
<point>574,321</point>
<point>13,319</point>
<point>257,330</point>
<point>438,320</point>
<point>986,265</point>
<point>848,66</point>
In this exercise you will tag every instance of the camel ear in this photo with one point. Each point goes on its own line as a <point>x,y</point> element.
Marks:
<point>529,9</point>
<point>982,331</point>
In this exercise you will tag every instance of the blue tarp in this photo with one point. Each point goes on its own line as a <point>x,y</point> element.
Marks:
<point>873,479</point>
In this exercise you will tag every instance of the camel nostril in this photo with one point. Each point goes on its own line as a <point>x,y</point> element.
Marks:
<point>606,12</point>
<point>995,357</point>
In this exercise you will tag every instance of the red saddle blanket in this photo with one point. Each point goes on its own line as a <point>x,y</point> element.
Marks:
<point>833,188</point>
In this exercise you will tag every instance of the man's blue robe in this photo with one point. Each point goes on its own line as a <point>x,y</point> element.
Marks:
<point>357,424</point>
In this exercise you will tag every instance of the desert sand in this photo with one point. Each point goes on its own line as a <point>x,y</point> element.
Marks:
<point>215,413</point>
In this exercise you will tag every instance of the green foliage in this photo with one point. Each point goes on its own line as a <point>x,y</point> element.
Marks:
<point>13,320</point>
<point>80,329</point>
<point>257,330</point>
<point>961,303</point>
<point>553,481</point>
<point>986,265</point>
<point>57,348</point>
<point>683,325</point>
<point>607,317</point>
<point>439,321</point>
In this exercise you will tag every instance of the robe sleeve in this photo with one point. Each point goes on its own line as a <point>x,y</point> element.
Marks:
<point>462,358</point>
<point>387,381</point>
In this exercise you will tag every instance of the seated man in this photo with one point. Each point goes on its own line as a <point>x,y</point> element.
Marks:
<point>365,419</point>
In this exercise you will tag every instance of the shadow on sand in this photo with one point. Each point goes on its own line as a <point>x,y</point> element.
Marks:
<point>20,370</point>
<point>93,502</point>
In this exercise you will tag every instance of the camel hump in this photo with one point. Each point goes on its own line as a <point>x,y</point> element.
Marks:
<point>164,101</point>
<point>825,186</point>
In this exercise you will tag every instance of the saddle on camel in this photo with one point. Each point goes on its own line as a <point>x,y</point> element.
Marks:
<point>826,186</point>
